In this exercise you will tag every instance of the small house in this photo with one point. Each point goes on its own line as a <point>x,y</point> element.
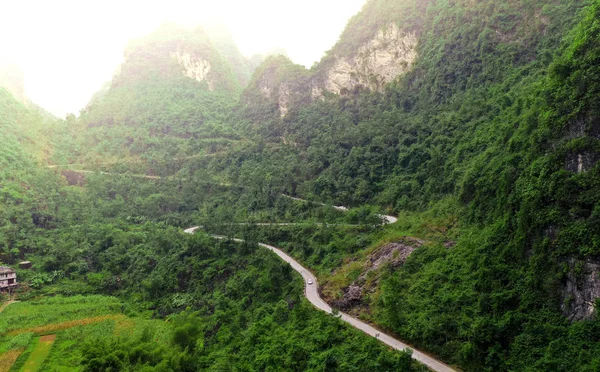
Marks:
<point>8,278</point>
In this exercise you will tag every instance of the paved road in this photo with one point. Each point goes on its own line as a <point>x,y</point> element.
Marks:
<point>387,219</point>
<point>311,291</point>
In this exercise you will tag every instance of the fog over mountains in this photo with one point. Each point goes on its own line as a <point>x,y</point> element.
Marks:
<point>433,180</point>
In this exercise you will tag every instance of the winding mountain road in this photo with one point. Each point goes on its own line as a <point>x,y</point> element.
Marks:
<point>385,218</point>
<point>311,291</point>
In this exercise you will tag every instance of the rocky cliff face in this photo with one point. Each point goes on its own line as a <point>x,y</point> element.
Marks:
<point>172,54</point>
<point>377,62</point>
<point>279,83</point>
<point>195,68</point>
<point>582,289</point>
<point>392,254</point>
<point>390,54</point>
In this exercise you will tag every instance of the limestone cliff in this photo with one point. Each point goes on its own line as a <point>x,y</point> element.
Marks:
<point>279,84</point>
<point>388,55</point>
<point>175,53</point>
<point>195,67</point>
<point>582,289</point>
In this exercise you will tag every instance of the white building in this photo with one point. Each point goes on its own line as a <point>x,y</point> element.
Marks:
<point>8,278</point>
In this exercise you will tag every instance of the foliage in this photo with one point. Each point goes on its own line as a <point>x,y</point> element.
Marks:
<point>495,127</point>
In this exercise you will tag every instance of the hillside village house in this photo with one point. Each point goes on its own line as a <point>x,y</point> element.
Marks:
<point>8,278</point>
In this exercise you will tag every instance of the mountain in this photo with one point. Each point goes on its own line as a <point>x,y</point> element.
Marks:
<point>480,114</point>
<point>476,123</point>
<point>22,126</point>
<point>175,85</point>
<point>29,193</point>
<point>221,38</point>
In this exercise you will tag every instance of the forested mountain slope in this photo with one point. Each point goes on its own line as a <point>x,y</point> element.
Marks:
<point>239,307</point>
<point>28,193</point>
<point>174,90</point>
<point>477,123</point>
<point>492,121</point>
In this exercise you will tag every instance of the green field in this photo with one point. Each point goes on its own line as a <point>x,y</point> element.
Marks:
<point>52,333</point>
<point>38,356</point>
<point>54,310</point>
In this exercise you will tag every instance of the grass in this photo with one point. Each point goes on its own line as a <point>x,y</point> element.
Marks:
<point>39,354</point>
<point>8,358</point>
<point>24,356</point>
<point>50,328</point>
<point>21,321</point>
<point>66,325</point>
<point>5,305</point>
<point>54,310</point>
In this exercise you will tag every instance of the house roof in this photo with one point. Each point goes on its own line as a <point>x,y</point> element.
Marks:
<point>4,269</point>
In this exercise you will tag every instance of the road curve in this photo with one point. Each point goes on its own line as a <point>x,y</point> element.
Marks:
<point>312,294</point>
<point>387,219</point>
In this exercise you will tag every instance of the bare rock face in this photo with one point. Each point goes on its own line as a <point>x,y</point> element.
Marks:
<point>285,96</point>
<point>195,68</point>
<point>580,162</point>
<point>449,244</point>
<point>581,290</point>
<point>388,55</point>
<point>394,254</point>
<point>587,125</point>
<point>281,94</point>
<point>352,298</point>
<point>281,83</point>
<point>376,63</point>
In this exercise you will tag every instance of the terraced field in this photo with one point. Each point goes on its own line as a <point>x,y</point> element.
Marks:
<point>50,333</point>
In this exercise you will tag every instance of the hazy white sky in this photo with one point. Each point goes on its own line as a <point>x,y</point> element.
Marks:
<point>69,48</point>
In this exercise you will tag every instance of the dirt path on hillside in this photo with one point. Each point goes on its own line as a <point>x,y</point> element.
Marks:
<point>5,305</point>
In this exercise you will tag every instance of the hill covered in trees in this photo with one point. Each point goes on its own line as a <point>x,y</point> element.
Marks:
<point>476,123</point>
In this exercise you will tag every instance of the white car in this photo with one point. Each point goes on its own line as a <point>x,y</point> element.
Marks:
<point>309,281</point>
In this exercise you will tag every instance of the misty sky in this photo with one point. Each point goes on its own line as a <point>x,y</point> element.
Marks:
<point>69,48</point>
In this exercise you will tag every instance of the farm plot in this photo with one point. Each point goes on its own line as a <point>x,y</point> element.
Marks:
<point>53,333</point>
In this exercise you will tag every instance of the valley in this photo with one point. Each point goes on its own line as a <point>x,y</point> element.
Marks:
<point>434,180</point>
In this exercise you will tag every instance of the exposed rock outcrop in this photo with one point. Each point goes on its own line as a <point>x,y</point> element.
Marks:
<point>378,62</point>
<point>73,178</point>
<point>393,254</point>
<point>195,68</point>
<point>581,161</point>
<point>389,54</point>
<point>280,83</point>
<point>449,244</point>
<point>581,290</point>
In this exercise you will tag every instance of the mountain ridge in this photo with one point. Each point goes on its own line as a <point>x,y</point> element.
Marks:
<point>474,122</point>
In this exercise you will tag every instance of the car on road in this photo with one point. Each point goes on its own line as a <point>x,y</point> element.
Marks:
<point>309,281</point>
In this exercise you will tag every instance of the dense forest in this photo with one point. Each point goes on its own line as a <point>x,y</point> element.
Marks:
<point>476,123</point>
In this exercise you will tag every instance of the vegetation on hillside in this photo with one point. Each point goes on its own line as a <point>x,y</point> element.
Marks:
<point>490,142</point>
